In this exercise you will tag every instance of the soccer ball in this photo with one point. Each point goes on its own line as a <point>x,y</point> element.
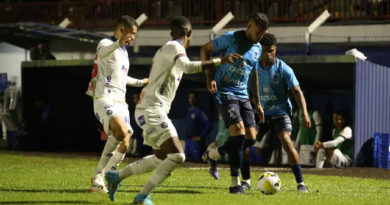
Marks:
<point>269,183</point>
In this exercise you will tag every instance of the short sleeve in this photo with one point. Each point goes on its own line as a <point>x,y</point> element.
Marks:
<point>289,76</point>
<point>223,41</point>
<point>346,133</point>
<point>173,51</point>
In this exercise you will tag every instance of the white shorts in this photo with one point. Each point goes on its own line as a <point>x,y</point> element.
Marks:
<point>105,109</point>
<point>156,126</point>
<point>340,160</point>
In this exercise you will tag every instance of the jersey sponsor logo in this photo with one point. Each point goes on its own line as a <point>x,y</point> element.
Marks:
<point>268,97</point>
<point>141,120</point>
<point>275,78</point>
<point>162,88</point>
<point>107,106</point>
<point>127,120</point>
<point>109,112</point>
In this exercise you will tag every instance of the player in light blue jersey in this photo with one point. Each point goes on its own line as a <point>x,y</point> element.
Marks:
<point>275,80</point>
<point>230,84</point>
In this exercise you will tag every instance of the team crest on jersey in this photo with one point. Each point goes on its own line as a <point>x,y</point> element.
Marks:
<point>108,79</point>
<point>164,125</point>
<point>275,78</point>
<point>266,89</point>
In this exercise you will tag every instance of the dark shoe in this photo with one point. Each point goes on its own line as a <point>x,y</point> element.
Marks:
<point>245,185</point>
<point>236,190</point>
<point>302,188</point>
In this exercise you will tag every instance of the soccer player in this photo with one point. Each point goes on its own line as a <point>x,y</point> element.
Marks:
<point>275,78</point>
<point>339,151</point>
<point>108,89</point>
<point>230,84</point>
<point>151,113</point>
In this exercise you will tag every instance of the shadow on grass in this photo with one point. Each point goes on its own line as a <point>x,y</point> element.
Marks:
<point>49,202</point>
<point>45,190</point>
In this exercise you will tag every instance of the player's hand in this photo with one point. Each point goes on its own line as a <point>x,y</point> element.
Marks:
<point>146,81</point>
<point>306,122</point>
<point>211,86</point>
<point>231,58</point>
<point>126,39</point>
<point>260,113</point>
<point>318,146</point>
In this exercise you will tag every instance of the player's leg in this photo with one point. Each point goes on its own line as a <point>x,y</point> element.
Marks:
<point>171,153</point>
<point>104,110</point>
<point>320,158</point>
<point>283,124</point>
<point>245,168</point>
<point>250,139</point>
<point>339,160</point>
<point>121,131</point>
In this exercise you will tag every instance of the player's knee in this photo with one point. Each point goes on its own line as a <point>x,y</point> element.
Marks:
<point>177,157</point>
<point>121,134</point>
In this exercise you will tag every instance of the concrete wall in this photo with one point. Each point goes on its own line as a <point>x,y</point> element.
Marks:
<point>11,58</point>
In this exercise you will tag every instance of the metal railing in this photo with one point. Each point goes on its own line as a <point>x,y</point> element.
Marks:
<point>104,13</point>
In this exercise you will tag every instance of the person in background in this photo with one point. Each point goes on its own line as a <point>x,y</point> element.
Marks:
<point>339,151</point>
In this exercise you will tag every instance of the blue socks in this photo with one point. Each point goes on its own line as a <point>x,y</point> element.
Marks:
<point>297,173</point>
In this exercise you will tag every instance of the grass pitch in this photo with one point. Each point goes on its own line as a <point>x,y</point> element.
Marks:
<point>62,179</point>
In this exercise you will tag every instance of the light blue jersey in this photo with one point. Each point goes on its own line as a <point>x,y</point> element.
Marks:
<point>232,79</point>
<point>274,83</point>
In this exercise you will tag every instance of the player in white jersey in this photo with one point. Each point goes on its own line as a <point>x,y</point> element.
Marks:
<point>108,89</point>
<point>151,113</point>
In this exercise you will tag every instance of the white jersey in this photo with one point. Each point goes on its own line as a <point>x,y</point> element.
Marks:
<point>168,65</point>
<point>109,75</point>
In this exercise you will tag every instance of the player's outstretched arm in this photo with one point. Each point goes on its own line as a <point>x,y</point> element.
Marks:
<point>197,66</point>
<point>137,82</point>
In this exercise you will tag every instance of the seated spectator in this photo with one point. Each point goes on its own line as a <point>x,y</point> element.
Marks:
<point>337,152</point>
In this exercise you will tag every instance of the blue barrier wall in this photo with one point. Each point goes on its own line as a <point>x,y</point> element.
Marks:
<point>372,102</point>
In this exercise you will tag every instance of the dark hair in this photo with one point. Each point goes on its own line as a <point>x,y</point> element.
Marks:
<point>126,21</point>
<point>345,116</point>
<point>180,26</point>
<point>260,19</point>
<point>268,39</point>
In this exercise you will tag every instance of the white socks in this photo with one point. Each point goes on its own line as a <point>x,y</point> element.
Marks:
<point>114,162</point>
<point>144,165</point>
<point>321,157</point>
<point>111,145</point>
<point>162,171</point>
<point>248,181</point>
<point>235,181</point>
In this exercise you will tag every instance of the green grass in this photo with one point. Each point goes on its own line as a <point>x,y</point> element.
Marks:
<point>66,180</point>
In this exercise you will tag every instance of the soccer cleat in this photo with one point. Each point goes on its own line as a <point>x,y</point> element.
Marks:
<point>213,165</point>
<point>113,182</point>
<point>302,188</point>
<point>142,199</point>
<point>98,185</point>
<point>245,185</point>
<point>236,190</point>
